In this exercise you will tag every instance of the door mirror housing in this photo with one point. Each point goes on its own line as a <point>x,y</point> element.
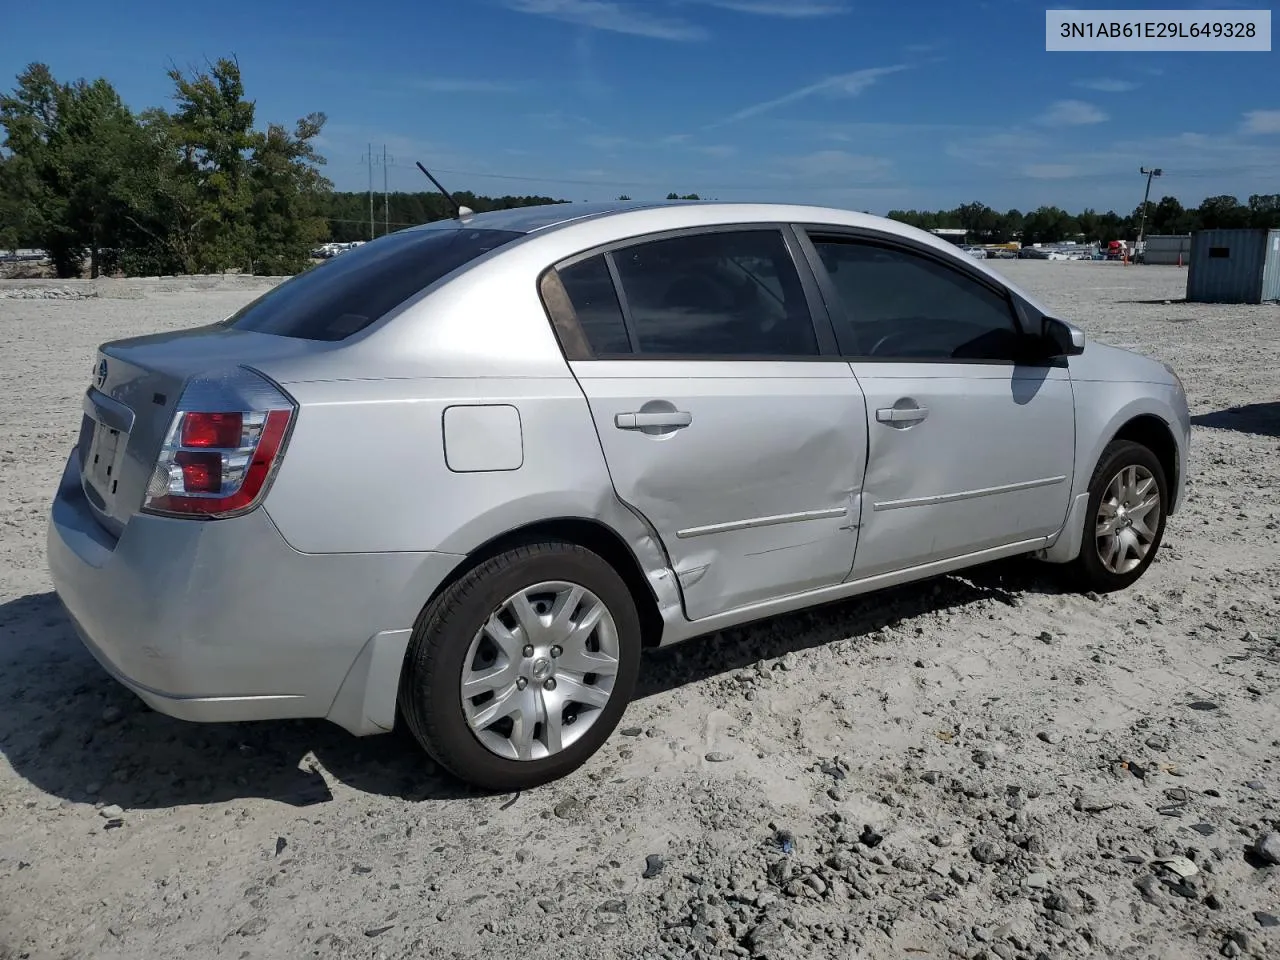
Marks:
<point>1062,339</point>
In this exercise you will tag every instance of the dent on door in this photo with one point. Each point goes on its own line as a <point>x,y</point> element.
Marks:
<point>752,484</point>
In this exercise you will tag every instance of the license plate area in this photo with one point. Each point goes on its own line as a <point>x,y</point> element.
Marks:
<point>101,466</point>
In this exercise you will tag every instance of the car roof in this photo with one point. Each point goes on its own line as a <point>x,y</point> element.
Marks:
<point>612,220</point>
<point>551,215</point>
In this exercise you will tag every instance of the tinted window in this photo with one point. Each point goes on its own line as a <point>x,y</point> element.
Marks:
<point>716,294</point>
<point>590,290</point>
<point>344,295</point>
<point>900,305</point>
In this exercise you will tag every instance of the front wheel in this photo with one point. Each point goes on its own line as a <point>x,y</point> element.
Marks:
<point>1125,522</point>
<point>520,670</point>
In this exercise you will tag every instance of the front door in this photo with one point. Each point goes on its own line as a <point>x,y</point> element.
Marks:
<point>969,448</point>
<point>720,421</point>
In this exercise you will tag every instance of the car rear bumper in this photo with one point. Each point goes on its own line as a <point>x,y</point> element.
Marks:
<point>224,621</point>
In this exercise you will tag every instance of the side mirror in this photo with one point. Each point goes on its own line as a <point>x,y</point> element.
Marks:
<point>1062,338</point>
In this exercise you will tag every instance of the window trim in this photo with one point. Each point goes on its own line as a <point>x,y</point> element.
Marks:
<point>573,340</point>
<point>1020,313</point>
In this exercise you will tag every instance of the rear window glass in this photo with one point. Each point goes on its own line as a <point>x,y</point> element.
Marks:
<point>344,295</point>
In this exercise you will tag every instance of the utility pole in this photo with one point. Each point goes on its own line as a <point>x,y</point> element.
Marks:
<point>387,209</point>
<point>368,160</point>
<point>1146,197</point>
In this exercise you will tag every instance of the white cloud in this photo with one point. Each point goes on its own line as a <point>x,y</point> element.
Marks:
<point>464,85</point>
<point>1107,85</point>
<point>611,16</point>
<point>1071,113</point>
<point>795,9</point>
<point>1261,121</point>
<point>842,84</point>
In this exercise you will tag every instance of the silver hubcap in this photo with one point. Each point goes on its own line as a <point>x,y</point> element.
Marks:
<point>1128,518</point>
<point>540,670</point>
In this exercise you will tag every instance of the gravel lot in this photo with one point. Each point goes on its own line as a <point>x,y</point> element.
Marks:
<point>979,766</point>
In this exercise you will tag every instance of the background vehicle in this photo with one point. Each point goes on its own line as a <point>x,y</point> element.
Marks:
<point>468,470</point>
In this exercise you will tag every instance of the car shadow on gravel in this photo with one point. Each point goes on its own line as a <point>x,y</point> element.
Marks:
<point>1260,418</point>
<point>75,733</point>
<point>1003,582</point>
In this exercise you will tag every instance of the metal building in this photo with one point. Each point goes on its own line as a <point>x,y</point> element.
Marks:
<point>1167,250</point>
<point>1234,266</point>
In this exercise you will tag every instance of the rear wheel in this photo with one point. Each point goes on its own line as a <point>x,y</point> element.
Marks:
<point>520,670</point>
<point>1125,522</point>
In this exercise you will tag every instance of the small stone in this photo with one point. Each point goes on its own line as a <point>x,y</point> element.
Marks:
<point>112,715</point>
<point>254,927</point>
<point>1050,736</point>
<point>631,731</point>
<point>1267,848</point>
<point>1046,637</point>
<point>570,808</point>
<point>113,824</point>
<point>1149,887</point>
<point>1204,829</point>
<point>612,906</point>
<point>360,869</point>
<point>715,756</point>
<point>281,843</point>
<point>869,838</point>
<point>378,931</point>
<point>787,662</point>
<point>1157,743</point>
<point>1036,880</point>
<point>1230,949</point>
<point>1202,705</point>
<point>986,851</point>
<point>816,884</point>
<point>1181,866</point>
<point>653,865</point>
<point>983,757</point>
<point>110,812</point>
<point>1093,803</point>
<point>1254,784</point>
<point>1266,919</point>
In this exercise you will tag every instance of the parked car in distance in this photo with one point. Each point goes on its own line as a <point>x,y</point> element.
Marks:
<point>978,253</point>
<point>464,473</point>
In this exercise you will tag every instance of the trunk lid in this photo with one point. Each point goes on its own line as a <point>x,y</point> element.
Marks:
<point>134,388</point>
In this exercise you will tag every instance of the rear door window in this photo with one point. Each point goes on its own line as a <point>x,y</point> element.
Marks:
<point>342,296</point>
<point>717,294</point>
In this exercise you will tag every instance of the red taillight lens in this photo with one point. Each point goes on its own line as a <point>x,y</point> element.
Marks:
<point>218,459</point>
<point>201,472</point>
<point>212,430</point>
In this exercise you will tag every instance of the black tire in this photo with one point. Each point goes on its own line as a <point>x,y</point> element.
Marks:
<point>430,695</point>
<point>1088,569</point>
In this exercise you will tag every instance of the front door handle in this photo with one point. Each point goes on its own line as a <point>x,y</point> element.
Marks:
<point>900,415</point>
<point>674,419</point>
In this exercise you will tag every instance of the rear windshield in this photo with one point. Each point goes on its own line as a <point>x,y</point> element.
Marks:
<point>339,298</point>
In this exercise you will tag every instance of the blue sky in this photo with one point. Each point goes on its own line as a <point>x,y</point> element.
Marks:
<point>870,105</point>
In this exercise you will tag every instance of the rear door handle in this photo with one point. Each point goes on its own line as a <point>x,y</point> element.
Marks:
<point>674,419</point>
<point>896,415</point>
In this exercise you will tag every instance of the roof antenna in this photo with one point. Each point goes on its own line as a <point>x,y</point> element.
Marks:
<point>459,212</point>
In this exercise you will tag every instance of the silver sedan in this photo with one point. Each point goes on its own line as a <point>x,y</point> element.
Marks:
<point>463,474</point>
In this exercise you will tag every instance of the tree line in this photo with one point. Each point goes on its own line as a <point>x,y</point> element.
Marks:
<point>1053,224</point>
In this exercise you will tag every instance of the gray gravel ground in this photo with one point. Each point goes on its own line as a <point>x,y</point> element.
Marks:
<point>981,766</point>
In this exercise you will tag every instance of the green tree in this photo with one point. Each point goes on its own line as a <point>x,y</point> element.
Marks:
<point>1223,212</point>
<point>287,191</point>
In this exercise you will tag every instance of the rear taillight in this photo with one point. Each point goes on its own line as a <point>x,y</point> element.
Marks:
<point>223,446</point>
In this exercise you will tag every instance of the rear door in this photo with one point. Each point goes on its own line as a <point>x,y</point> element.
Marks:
<point>720,418</point>
<point>971,439</point>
